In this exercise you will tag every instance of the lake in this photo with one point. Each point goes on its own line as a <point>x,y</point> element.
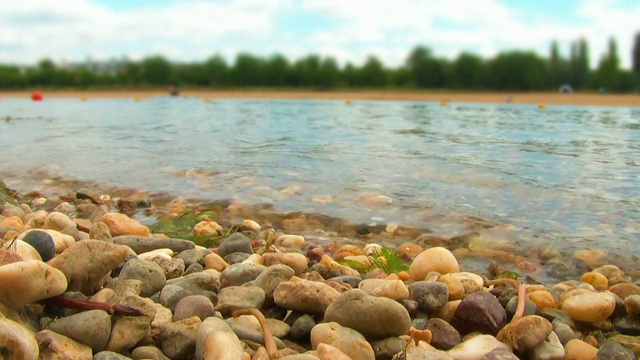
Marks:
<point>564,175</point>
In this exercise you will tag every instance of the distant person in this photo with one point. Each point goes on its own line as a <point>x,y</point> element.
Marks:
<point>601,91</point>
<point>173,91</point>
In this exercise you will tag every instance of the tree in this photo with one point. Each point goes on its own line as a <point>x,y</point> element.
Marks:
<point>608,72</point>
<point>372,73</point>
<point>466,72</point>
<point>248,70</point>
<point>517,70</point>
<point>579,64</point>
<point>216,71</point>
<point>635,56</point>
<point>156,70</point>
<point>276,71</point>
<point>329,73</point>
<point>428,72</point>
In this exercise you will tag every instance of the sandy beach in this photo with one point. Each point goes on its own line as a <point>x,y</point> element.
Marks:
<point>537,98</point>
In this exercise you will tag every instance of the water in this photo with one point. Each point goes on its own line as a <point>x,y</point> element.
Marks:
<point>567,175</point>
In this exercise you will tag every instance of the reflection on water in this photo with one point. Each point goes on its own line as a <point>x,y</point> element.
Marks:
<point>568,175</point>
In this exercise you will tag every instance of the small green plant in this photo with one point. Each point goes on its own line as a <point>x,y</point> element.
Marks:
<point>385,259</point>
<point>181,227</point>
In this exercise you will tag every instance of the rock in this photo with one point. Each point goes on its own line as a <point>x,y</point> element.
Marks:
<point>625,289</point>
<point>525,333</point>
<point>297,262</point>
<point>291,241</point>
<point>630,342</point>
<point>100,231</point>
<point>550,349</point>
<point>42,242</point>
<point>629,325</point>
<point>249,334</point>
<point>215,261</point>
<point>590,306</point>
<point>477,347</point>
<point>237,242</point>
<point>301,328</point>
<point>579,350</point>
<point>347,340</point>
<point>387,348</point>
<point>141,244</point>
<point>237,258</point>
<point>326,352</point>
<point>430,295</point>
<point>150,273</point>
<point>499,354</point>
<point>178,338</point>
<point>148,352</point>
<point>443,335</point>
<point>28,281</point>
<point>391,289</point>
<point>216,340</point>
<point>127,331</point>
<point>611,350</point>
<point>55,346</point>
<point>480,312</point>
<point>197,283</point>
<point>172,267</point>
<point>233,298</point>
<point>373,317</point>
<point>121,224</point>
<point>91,328</point>
<point>269,279</point>
<point>530,307</point>
<point>595,279</point>
<point>454,285</point>
<point>563,331</point>
<point>193,256</point>
<point>194,305</point>
<point>26,251</point>
<point>8,257</point>
<point>435,259</point>
<point>85,263</point>
<point>58,221</point>
<point>110,355</point>
<point>16,342</point>
<point>238,274</point>
<point>278,328</point>
<point>170,296</point>
<point>310,297</point>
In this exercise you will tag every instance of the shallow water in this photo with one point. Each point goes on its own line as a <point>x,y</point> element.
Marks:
<point>566,175</point>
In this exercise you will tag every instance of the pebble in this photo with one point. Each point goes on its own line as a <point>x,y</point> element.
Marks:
<point>215,262</point>
<point>297,262</point>
<point>216,340</point>
<point>391,289</point>
<point>91,328</point>
<point>430,295</point>
<point>55,346</point>
<point>355,308</point>
<point>236,242</point>
<point>526,333</point>
<point>178,339</point>
<point>16,341</point>
<point>590,307</point>
<point>579,350</point>
<point>443,335</point>
<point>480,311</point>
<point>345,339</point>
<point>86,263</point>
<point>194,305</point>
<point>148,272</point>
<point>234,298</point>
<point>435,259</point>
<point>42,242</point>
<point>44,281</point>
<point>121,224</point>
<point>310,297</point>
<point>149,353</point>
<point>142,244</point>
<point>550,349</point>
<point>57,221</point>
<point>477,347</point>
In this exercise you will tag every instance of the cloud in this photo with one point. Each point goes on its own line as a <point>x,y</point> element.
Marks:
<point>192,30</point>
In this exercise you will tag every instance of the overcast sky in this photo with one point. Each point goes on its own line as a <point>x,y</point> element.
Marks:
<point>349,30</point>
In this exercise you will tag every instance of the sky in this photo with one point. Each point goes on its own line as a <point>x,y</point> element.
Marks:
<point>348,30</point>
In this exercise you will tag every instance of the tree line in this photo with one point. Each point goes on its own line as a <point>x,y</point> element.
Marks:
<point>511,70</point>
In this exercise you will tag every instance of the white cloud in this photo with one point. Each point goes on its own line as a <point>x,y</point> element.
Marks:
<point>191,30</point>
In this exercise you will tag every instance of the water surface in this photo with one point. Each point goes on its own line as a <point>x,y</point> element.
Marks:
<point>567,175</point>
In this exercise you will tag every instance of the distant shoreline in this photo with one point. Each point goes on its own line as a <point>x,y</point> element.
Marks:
<point>537,98</point>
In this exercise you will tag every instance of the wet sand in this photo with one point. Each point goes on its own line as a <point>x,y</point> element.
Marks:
<point>537,98</point>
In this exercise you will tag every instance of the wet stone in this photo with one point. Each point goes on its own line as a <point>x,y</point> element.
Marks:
<point>141,244</point>
<point>530,307</point>
<point>42,242</point>
<point>150,273</point>
<point>443,335</point>
<point>110,355</point>
<point>629,325</point>
<point>385,349</point>
<point>301,328</point>
<point>194,268</point>
<point>193,256</point>
<point>237,242</point>
<point>194,305</point>
<point>236,258</point>
<point>91,328</point>
<point>148,352</point>
<point>430,295</point>
<point>233,298</point>
<point>238,274</point>
<point>611,350</point>
<point>499,354</point>
<point>480,312</point>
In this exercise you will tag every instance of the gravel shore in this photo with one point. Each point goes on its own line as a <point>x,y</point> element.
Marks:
<point>85,275</point>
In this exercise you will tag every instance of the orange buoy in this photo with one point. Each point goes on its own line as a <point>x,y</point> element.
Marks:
<point>37,96</point>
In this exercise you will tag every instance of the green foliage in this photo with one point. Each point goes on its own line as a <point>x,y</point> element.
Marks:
<point>511,70</point>
<point>181,227</point>
<point>509,274</point>
<point>385,259</point>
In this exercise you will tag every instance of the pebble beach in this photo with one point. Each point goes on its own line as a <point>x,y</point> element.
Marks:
<point>99,273</point>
